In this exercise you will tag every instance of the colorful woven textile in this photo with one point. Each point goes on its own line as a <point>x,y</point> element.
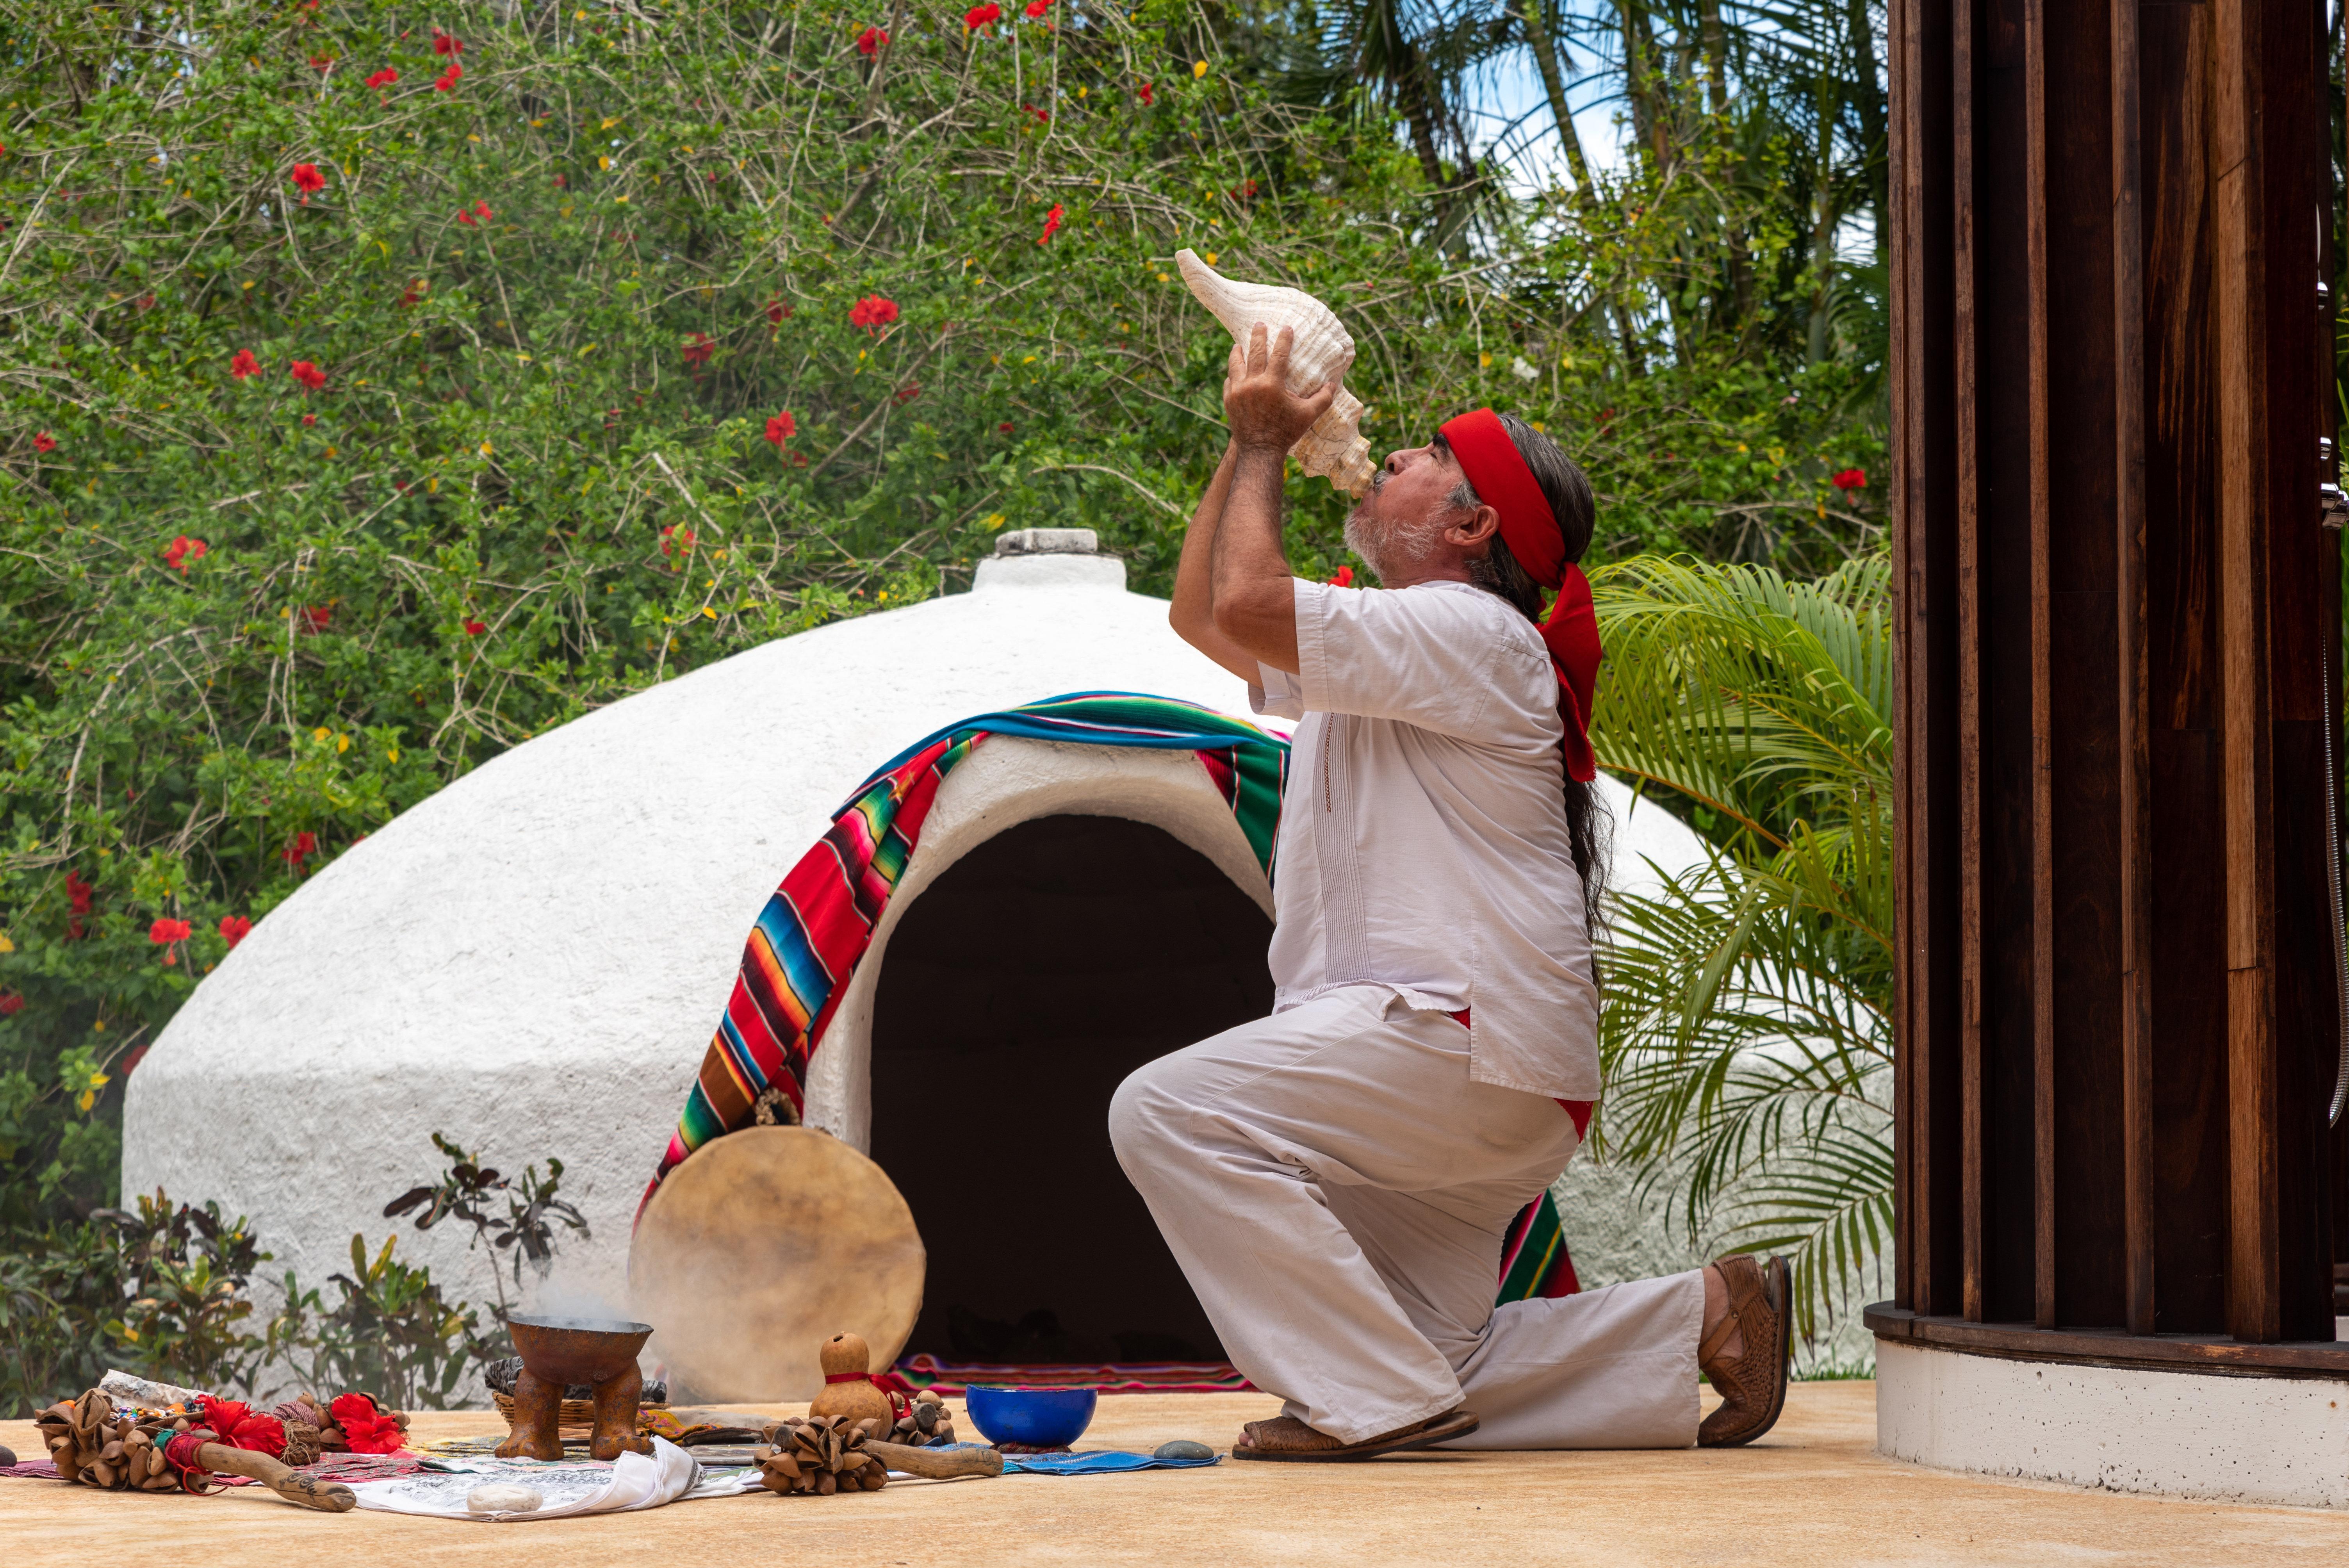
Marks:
<point>808,940</point>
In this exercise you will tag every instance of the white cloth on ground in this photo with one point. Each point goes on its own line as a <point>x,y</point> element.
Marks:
<point>1424,844</point>
<point>570,1489</point>
<point>1337,1187</point>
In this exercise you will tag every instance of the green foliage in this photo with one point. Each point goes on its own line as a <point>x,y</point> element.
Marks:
<point>1747,1023</point>
<point>464,1191</point>
<point>392,1333</point>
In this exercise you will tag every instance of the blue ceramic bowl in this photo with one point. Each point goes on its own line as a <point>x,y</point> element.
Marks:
<point>1040,1417</point>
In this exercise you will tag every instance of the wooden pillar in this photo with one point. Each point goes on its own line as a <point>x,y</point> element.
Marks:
<point>2117,1007</point>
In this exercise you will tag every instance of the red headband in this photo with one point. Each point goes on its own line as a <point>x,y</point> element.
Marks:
<point>1480,443</point>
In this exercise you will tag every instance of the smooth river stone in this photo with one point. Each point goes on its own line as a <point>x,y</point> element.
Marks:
<point>1184,1449</point>
<point>503,1499</point>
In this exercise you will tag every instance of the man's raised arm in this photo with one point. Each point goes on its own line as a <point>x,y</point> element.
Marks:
<point>1254,602</point>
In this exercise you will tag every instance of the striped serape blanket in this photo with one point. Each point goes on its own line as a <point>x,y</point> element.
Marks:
<point>807,941</point>
<point>916,1373</point>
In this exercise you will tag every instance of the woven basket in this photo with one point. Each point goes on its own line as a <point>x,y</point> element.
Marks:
<point>575,1420</point>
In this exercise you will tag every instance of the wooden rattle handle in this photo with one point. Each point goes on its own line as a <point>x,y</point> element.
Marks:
<point>332,1496</point>
<point>937,1464</point>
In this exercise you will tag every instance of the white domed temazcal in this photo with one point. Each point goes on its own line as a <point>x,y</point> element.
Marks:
<point>532,962</point>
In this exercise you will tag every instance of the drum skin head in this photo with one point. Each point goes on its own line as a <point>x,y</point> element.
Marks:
<point>760,1247</point>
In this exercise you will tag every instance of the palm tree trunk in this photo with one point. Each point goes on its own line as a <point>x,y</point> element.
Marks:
<point>1544,49</point>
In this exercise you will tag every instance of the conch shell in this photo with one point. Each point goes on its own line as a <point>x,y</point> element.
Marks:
<point>1323,351</point>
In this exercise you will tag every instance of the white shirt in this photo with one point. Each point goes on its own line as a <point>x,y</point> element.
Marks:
<point>1423,844</point>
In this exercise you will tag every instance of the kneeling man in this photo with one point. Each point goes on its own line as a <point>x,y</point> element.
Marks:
<point>1336,1179</point>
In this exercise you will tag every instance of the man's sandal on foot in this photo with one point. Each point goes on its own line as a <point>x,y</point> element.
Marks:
<point>1287,1437</point>
<point>1752,1385</point>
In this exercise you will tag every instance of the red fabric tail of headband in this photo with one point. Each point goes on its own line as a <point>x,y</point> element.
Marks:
<point>1572,633</point>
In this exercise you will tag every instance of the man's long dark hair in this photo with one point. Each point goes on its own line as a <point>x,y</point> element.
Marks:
<point>1588,825</point>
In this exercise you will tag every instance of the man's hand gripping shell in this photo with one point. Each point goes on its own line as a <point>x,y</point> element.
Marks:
<point>1261,411</point>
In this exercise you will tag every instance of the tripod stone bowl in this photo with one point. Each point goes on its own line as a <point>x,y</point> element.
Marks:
<point>559,1351</point>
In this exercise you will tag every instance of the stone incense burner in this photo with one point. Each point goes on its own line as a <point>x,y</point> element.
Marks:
<point>558,1351</point>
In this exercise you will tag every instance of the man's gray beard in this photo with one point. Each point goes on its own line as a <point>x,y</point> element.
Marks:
<point>1382,550</point>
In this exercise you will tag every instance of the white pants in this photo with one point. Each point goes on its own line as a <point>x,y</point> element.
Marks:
<point>1338,1190</point>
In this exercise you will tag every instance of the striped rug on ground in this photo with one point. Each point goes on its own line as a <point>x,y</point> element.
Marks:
<point>807,941</point>
<point>952,1378</point>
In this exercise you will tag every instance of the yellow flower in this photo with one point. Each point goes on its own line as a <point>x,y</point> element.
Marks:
<point>320,736</point>
<point>342,744</point>
<point>433,484</point>
<point>708,612</point>
<point>485,449</point>
<point>393,756</point>
<point>1485,361</point>
<point>1211,261</point>
<point>1198,69</point>
<point>1161,278</point>
<point>6,945</point>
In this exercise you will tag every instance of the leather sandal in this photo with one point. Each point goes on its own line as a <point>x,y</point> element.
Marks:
<point>1752,1387</point>
<point>1287,1437</point>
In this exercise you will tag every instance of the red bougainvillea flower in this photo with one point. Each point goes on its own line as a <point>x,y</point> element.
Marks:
<point>872,311</point>
<point>79,892</point>
<point>383,79</point>
<point>165,932</point>
<point>183,550</point>
<point>415,292</point>
<point>1052,225</point>
<point>446,82</point>
<point>1148,97</point>
<point>311,377</point>
<point>318,617</point>
<point>675,537</point>
<point>243,364</point>
<point>908,392</point>
<point>238,1425</point>
<point>235,928</point>
<point>1044,117</point>
<point>782,428</point>
<point>307,180</point>
<point>367,1429</point>
<point>698,350</point>
<point>10,1004</point>
<point>979,17</point>
<point>44,443</point>
<point>475,628</point>
<point>872,41</point>
<point>309,418</point>
<point>322,62</point>
<point>778,312</point>
<point>478,213</point>
<point>1851,479</point>
<point>1038,7</point>
<point>1342,578</point>
<point>447,43</point>
<point>303,846</point>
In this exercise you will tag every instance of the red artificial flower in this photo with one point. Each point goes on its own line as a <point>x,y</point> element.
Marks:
<point>44,443</point>
<point>309,418</point>
<point>1851,479</point>
<point>322,62</point>
<point>236,1425</point>
<point>235,928</point>
<point>1004,429</point>
<point>383,79</point>
<point>872,311</point>
<point>367,1429</point>
<point>318,616</point>
<point>312,379</point>
<point>243,364</point>
<point>778,312</point>
<point>10,1004</point>
<point>446,44</point>
<point>782,428</point>
<point>908,392</point>
<point>475,628</point>
<point>1052,225</point>
<point>1342,578</point>
<point>1038,7</point>
<point>698,352</point>
<point>979,17</point>
<point>183,550</point>
<point>872,41</point>
<point>446,82</point>
<point>165,932</point>
<point>303,846</point>
<point>1147,96</point>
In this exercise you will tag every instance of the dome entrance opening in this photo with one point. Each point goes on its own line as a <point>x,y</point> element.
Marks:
<point>1014,997</point>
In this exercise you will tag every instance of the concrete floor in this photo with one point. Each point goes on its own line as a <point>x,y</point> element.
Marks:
<point>1813,1493</point>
